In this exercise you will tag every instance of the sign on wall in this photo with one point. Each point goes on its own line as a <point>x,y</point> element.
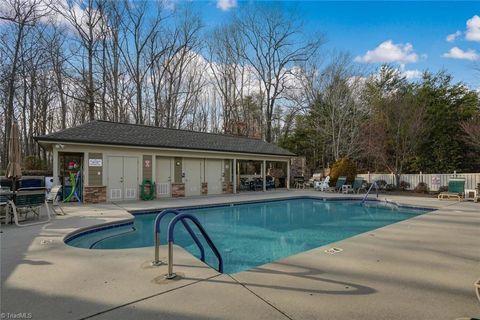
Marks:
<point>147,163</point>
<point>95,162</point>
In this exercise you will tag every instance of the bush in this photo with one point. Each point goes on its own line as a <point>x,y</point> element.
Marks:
<point>422,187</point>
<point>381,184</point>
<point>404,185</point>
<point>389,187</point>
<point>343,167</point>
<point>33,163</point>
<point>443,189</point>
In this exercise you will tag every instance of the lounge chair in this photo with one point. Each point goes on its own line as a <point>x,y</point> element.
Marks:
<point>340,182</point>
<point>358,185</point>
<point>322,185</point>
<point>29,200</point>
<point>456,189</point>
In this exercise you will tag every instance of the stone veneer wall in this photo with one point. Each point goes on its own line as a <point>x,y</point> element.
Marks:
<point>178,190</point>
<point>204,187</point>
<point>95,194</point>
<point>227,187</point>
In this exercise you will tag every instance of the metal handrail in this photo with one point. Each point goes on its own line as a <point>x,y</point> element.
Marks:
<point>156,236</point>
<point>170,239</point>
<point>370,189</point>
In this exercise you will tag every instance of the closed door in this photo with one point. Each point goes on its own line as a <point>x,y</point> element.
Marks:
<point>193,176</point>
<point>122,178</point>
<point>214,176</point>
<point>163,176</point>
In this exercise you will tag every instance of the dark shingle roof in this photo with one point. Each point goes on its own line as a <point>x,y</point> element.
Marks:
<point>113,133</point>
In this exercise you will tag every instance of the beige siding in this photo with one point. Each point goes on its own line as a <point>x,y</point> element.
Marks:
<point>178,167</point>
<point>95,174</point>
<point>227,168</point>
<point>147,170</point>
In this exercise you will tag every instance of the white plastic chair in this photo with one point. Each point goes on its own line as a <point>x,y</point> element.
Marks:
<point>322,185</point>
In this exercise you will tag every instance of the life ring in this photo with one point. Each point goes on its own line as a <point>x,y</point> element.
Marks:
<point>151,194</point>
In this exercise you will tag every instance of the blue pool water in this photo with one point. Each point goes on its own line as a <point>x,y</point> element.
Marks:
<point>249,235</point>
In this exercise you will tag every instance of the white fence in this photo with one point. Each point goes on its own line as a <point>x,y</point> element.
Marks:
<point>433,180</point>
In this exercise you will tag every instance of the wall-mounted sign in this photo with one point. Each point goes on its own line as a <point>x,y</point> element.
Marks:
<point>95,162</point>
<point>147,163</point>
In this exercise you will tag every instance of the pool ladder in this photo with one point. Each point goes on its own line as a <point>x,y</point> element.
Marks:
<point>181,217</point>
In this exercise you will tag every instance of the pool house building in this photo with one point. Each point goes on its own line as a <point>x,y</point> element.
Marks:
<point>109,161</point>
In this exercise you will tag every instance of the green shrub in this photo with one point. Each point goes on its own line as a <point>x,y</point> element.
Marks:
<point>343,167</point>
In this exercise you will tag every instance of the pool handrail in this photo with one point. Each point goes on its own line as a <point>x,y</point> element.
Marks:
<point>370,189</point>
<point>156,236</point>
<point>171,240</point>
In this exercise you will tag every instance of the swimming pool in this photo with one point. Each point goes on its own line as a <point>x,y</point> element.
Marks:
<point>251,234</point>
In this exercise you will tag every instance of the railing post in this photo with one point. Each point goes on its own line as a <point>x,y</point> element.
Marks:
<point>170,274</point>
<point>170,238</point>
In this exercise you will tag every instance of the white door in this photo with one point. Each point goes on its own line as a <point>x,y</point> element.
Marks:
<point>214,176</point>
<point>193,176</point>
<point>163,176</point>
<point>130,178</point>
<point>115,178</point>
<point>122,175</point>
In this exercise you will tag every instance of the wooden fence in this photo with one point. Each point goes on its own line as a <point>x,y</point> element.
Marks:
<point>433,180</point>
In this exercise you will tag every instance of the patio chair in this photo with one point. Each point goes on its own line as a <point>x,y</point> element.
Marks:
<point>5,196</point>
<point>358,185</point>
<point>53,197</point>
<point>28,200</point>
<point>322,185</point>
<point>256,184</point>
<point>456,189</point>
<point>244,184</point>
<point>270,182</point>
<point>299,182</point>
<point>340,182</point>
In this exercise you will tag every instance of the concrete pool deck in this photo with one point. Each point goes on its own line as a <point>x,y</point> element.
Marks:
<point>421,268</point>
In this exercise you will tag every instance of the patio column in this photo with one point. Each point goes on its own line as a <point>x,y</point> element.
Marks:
<point>288,174</point>
<point>264,175</point>
<point>234,175</point>
<point>55,166</point>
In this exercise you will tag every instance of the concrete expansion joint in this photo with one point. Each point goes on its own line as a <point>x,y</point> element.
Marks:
<point>262,299</point>
<point>149,297</point>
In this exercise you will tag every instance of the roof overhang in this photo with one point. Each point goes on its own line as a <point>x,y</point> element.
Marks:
<point>49,143</point>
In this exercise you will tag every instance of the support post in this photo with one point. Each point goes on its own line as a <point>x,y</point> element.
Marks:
<point>56,182</point>
<point>264,175</point>
<point>288,174</point>
<point>234,175</point>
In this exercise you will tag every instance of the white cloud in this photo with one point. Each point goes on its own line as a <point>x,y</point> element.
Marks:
<point>226,5</point>
<point>457,53</point>
<point>413,74</point>
<point>473,29</point>
<point>388,52</point>
<point>452,37</point>
<point>410,74</point>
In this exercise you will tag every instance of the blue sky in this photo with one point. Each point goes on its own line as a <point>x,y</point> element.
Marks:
<point>412,35</point>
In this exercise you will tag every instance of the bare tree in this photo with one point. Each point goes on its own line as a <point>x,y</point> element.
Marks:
<point>275,44</point>
<point>22,15</point>
<point>140,26</point>
<point>472,131</point>
<point>84,16</point>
